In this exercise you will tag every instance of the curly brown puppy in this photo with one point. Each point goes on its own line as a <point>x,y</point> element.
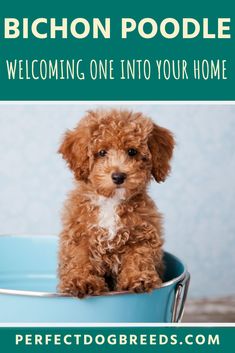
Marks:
<point>112,235</point>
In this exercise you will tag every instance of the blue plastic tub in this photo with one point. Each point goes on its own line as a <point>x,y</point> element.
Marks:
<point>28,290</point>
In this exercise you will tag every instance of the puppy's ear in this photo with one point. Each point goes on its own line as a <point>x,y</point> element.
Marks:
<point>161,144</point>
<point>74,149</point>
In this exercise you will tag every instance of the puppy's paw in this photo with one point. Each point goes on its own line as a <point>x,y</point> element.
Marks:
<point>83,286</point>
<point>140,282</point>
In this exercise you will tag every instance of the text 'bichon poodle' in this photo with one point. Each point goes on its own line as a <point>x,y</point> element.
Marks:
<point>112,234</point>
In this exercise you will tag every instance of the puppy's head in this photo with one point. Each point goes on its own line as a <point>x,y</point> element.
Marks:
<point>118,150</point>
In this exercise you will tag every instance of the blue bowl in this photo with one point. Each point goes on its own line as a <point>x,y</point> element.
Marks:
<point>28,290</point>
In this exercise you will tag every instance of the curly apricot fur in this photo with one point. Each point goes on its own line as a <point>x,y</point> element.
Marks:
<point>89,253</point>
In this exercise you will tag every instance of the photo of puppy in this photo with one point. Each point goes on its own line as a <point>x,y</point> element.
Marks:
<point>112,233</point>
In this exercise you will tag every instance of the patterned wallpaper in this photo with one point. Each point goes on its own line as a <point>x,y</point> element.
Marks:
<point>198,200</point>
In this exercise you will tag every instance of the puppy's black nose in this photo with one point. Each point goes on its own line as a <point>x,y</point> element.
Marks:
<point>118,178</point>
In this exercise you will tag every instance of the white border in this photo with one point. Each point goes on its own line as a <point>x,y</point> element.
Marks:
<point>117,102</point>
<point>85,324</point>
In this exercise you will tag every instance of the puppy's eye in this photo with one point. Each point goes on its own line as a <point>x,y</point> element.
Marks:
<point>102,153</point>
<point>132,152</point>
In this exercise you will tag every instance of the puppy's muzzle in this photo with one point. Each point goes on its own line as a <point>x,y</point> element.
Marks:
<point>118,178</point>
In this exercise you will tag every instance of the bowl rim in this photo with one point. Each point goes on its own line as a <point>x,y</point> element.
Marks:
<point>19,292</point>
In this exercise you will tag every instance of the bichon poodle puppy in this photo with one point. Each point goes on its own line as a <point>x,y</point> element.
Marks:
<point>112,233</point>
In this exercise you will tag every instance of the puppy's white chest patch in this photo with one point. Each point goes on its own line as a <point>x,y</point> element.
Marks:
<point>107,216</point>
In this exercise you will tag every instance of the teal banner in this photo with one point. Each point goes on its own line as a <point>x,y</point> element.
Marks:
<point>151,50</point>
<point>117,339</point>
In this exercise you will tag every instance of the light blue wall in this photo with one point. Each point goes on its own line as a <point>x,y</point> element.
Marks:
<point>198,200</point>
